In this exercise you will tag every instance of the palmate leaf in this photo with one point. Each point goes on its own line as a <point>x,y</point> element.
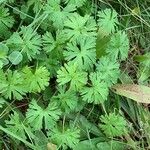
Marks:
<point>67,99</point>
<point>26,41</point>
<point>50,42</point>
<point>107,21</point>
<point>57,13</point>
<point>12,85</point>
<point>40,118</point>
<point>18,126</point>
<point>109,70</point>
<point>118,46</point>
<point>98,91</point>
<point>77,27</point>
<point>6,21</point>
<point>70,73</point>
<point>67,138</point>
<point>51,62</point>
<point>82,52</point>
<point>37,80</point>
<point>113,125</point>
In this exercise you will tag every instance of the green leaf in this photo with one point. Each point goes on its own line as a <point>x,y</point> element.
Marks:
<point>112,145</point>
<point>37,5</point>
<point>36,115</point>
<point>67,99</point>
<point>113,125</point>
<point>82,52</point>
<point>6,21</point>
<point>3,51</point>
<point>109,70</point>
<point>70,73</point>
<point>66,138</point>
<point>12,85</point>
<point>37,80</point>
<point>17,137</point>
<point>107,21</point>
<point>3,55</point>
<point>2,102</point>
<point>57,13</point>
<point>27,41</point>
<point>52,43</point>
<point>77,27</point>
<point>97,92</point>
<point>15,57</point>
<point>41,141</point>
<point>90,144</point>
<point>18,126</point>
<point>101,45</point>
<point>118,46</point>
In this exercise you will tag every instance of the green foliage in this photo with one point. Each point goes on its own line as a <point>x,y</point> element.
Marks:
<point>58,62</point>
<point>6,21</point>
<point>15,57</point>
<point>3,55</point>
<point>36,4</point>
<point>118,46</point>
<point>109,70</point>
<point>97,92</point>
<point>82,52</point>
<point>77,27</point>
<point>107,21</point>
<point>68,137</point>
<point>2,102</point>
<point>68,100</point>
<point>113,125</point>
<point>36,80</point>
<point>36,115</point>
<point>53,43</point>
<point>77,3</point>
<point>56,13</point>
<point>12,85</point>
<point>70,73</point>
<point>17,126</point>
<point>26,41</point>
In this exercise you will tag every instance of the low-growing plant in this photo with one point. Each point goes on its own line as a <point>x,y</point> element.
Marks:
<point>58,62</point>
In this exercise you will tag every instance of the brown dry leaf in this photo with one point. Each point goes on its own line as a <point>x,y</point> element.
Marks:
<point>138,93</point>
<point>51,146</point>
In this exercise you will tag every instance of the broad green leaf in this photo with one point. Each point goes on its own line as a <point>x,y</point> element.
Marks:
<point>111,145</point>
<point>101,45</point>
<point>142,58</point>
<point>15,57</point>
<point>138,93</point>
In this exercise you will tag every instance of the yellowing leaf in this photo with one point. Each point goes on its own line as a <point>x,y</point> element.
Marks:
<point>51,146</point>
<point>136,11</point>
<point>138,93</point>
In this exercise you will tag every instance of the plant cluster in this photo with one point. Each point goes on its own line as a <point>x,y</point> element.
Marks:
<point>59,59</point>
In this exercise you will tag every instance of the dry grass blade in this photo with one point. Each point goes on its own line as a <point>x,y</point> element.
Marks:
<point>138,93</point>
